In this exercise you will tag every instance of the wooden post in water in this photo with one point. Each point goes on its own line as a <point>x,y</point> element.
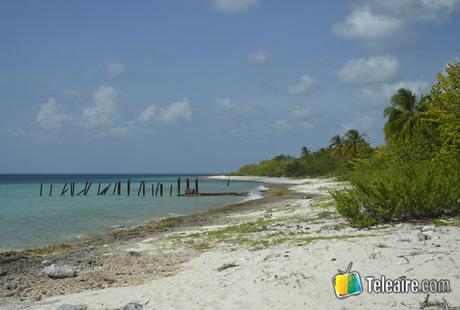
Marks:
<point>99,189</point>
<point>188,184</point>
<point>72,189</point>
<point>143,188</point>
<point>161,189</point>
<point>178,186</point>
<point>41,189</point>
<point>228,182</point>
<point>119,188</point>
<point>114,188</point>
<point>153,189</point>
<point>140,188</point>
<point>104,191</point>
<point>158,186</point>
<point>170,190</point>
<point>51,190</point>
<point>196,186</point>
<point>129,187</point>
<point>64,189</point>
<point>87,188</point>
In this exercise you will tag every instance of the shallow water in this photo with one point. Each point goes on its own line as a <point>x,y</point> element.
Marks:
<point>28,220</point>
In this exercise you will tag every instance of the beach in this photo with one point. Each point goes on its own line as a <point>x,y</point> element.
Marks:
<point>278,252</point>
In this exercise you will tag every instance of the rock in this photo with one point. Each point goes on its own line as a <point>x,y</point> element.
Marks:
<point>2,273</point>
<point>133,306</point>
<point>71,307</point>
<point>419,235</point>
<point>226,266</point>
<point>134,253</point>
<point>46,263</point>
<point>429,228</point>
<point>59,272</point>
<point>429,234</point>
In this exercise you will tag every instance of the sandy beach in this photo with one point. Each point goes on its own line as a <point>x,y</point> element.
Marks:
<point>278,252</point>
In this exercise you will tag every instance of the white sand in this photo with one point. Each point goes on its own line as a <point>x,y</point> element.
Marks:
<point>293,276</point>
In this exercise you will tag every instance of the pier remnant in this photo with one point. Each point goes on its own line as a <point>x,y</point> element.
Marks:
<point>196,185</point>
<point>64,189</point>
<point>51,190</point>
<point>128,187</point>
<point>41,189</point>
<point>178,186</point>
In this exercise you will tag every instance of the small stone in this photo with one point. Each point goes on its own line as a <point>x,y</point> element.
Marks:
<point>134,253</point>
<point>71,307</point>
<point>429,228</point>
<point>429,234</point>
<point>46,263</point>
<point>133,306</point>
<point>419,235</point>
<point>59,272</point>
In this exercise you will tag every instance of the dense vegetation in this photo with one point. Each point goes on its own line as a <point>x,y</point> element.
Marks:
<point>415,175</point>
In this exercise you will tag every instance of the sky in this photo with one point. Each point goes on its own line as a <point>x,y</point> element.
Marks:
<point>205,86</point>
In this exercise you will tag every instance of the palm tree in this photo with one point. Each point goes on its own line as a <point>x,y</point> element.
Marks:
<point>305,152</point>
<point>353,140</point>
<point>337,144</point>
<point>403,115</point>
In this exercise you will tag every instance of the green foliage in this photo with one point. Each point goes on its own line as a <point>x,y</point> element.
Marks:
<point>403,116</point>
<point>400,192</point>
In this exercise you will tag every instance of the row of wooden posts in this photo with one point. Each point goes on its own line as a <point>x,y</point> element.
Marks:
<point>102,190</point>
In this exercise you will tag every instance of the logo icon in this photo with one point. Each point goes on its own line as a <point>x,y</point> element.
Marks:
<point>347,283</point>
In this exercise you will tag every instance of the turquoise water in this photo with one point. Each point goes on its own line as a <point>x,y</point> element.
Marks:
<point>28,220</point>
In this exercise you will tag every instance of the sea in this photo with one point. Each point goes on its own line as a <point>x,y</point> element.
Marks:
<point>28,220</point>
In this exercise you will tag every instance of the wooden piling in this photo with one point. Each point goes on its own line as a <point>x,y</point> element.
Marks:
<point>87,188</point>
<point>143,188</point>
<point>41,189</point>
<point>51,190</point>
<point>153,189</point>
<point>178,186</point>
<point>188,184</point>
<point>158,187</point>
<point>228,182</point>
<point>64,189</point>
<point>104,191</point>
<point>114,188</point>
<point>129,187</point>
<point>72,188</point>
<point>161,189</point>
<point>99,189</point>
<point>196,185</point>
<point>140,188</point>
<point>170,190</point>
<point>119,188</point>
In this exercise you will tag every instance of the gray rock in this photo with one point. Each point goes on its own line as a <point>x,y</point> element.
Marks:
<point>429,234</point>
<point>419,236</point>
<point>71,307</point>
<point>59,272</point>
<point>133,306</point>
<point>46,263</point>
<point>429,228</point>
<point>134,253</point>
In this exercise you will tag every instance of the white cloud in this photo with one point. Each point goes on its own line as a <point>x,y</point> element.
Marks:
<point>373,69</point>
<point>234,6</point>
<point>282,124</point>
<point>362,24</point>
<point>50,115</point>
<point>304,114</point>
<point>177,111</point>
<point>115,69</point>
<point>258,57</point>
<point>227,107</point>
<point>306,82</point>
<point>417,9</point>
<point>102,113</point>
<point>382,93</point>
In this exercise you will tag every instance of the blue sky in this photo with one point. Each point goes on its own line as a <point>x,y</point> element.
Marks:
<point>205,85</point>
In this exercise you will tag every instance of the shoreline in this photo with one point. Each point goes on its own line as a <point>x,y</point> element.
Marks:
<point>279,251</point>
<point>82,238</point>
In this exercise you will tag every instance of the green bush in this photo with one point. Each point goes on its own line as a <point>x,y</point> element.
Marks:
<point>400,192</point>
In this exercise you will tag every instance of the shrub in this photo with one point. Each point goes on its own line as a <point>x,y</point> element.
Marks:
<point>401,192</point>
